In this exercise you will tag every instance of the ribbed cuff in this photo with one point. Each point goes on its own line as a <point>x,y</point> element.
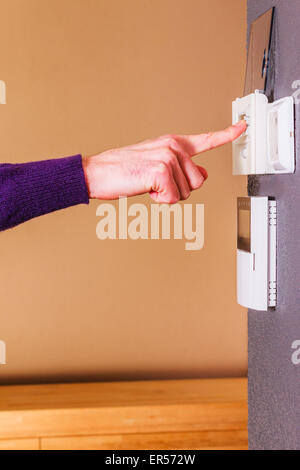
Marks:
<point>32,189</point>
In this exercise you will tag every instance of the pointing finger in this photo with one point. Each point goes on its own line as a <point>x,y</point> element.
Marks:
<point>198,143</point>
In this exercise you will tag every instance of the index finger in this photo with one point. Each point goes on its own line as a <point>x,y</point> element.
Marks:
<point>198,143</point>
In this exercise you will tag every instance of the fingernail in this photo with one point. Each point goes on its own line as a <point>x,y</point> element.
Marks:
<point>204,173</point>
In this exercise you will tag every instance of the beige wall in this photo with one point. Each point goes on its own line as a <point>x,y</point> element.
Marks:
<point>82,76</point>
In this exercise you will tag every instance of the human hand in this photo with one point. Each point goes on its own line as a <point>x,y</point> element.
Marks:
<point>161,167</point>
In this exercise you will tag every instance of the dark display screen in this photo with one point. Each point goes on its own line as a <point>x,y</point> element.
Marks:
<point>244,224</point>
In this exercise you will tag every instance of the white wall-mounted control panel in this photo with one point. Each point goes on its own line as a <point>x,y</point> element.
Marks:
<point>267,146</point>
<point>256,252</point>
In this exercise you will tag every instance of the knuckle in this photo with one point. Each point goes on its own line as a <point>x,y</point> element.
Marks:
<point>169,156</point>
<point>161,168</point>
<point>170,140</point>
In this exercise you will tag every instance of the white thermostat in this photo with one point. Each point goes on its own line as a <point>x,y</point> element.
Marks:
<point>267,145</point>
<point>256,252</point>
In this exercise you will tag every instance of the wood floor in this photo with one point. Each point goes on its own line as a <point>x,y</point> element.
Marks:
<point>168,414</point>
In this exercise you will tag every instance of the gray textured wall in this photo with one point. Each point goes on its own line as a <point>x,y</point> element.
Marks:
<point>274,381</point>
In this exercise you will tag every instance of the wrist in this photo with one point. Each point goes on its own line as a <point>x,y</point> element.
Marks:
<point>86,165</point>
<point>94,170</point>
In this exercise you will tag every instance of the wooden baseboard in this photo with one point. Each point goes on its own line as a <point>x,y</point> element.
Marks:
<point>163,414</point>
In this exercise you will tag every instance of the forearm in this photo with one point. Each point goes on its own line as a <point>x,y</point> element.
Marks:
<point>161,167</point>
<point>28,190</point>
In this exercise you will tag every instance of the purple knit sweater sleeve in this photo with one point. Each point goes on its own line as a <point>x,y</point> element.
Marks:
<point>32,189</point>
